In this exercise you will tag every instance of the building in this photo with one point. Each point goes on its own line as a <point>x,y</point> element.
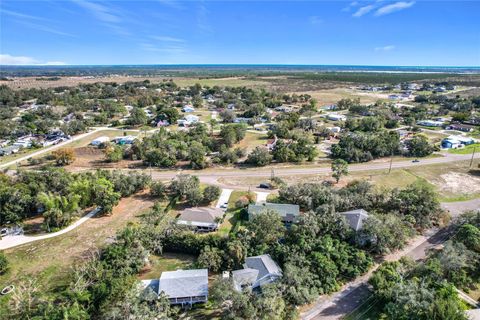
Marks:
<point>257,272</point>
<point>124,140</point>
<point>461,127</point>
<point>336,117</point>
<point>288,212</point>
<point>355,218</point>
<point>202,219</point>
<point>453,142</point>
<point>184,287</point>
<point>188,120</point>
<point>98,141</point>
<point>188,108</point>
<point>6,151</point>
<point>430,123</point>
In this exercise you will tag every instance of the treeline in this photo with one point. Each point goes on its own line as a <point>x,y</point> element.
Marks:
<point>427,290</point>
<point>59,196</point>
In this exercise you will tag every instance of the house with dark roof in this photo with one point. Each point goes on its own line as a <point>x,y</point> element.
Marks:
<point>257,272</point>
<point>184,286</point>
<point>355,218</point>
<point>201,219</point>
<point>288,212</point>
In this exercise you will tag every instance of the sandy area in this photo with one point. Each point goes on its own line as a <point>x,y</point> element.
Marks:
<point>457,182</point>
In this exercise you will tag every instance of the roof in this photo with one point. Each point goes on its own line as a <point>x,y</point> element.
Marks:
<point>473,314</point>
<point>264,264</point>
<point>355,218</point>
<point>243,277</point>
<point>184,283</point>
<point>284,210</point>
<point>200,215</point>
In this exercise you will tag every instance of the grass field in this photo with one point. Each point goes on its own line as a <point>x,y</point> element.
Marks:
<point>166,262</point>
<point>50,261</point>
<point>467,149</point>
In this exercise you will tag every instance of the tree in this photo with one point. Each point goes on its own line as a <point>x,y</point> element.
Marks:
<point>64,156</point>
<point>183,184</point>
<point>197,155</point>
<point>419,146</point>
<point>3,263</point>
<point>137,117</point>
<point>339,168</point>
<point>259,157</point>
<point>158,189</point>
<point>113,153</point>
<point>469,235</point>
<point>211,193</point>
<point>228,116</point>
<point>105,195</point>
<point>266,228</point>
<point>210,258</point>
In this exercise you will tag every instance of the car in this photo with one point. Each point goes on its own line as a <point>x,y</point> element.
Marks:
<point>416,160</point>
<point>224,206</point>
<point>265,185</point>
<point>3,232</point>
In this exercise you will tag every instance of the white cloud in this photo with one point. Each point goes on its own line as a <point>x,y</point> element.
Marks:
<point>385,48</point>
<point>99,11</point>
<point>6,59</point>
<point>315,20</point>
<point>363,10</point>
<point>167,39</point>
<point>397,6</point>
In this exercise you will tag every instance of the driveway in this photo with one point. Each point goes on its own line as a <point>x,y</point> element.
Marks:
<point>262,196</point>
<point>224,197</point>
<point>11,241</point>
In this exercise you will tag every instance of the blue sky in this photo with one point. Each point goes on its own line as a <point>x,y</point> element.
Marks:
<point>381,32</point>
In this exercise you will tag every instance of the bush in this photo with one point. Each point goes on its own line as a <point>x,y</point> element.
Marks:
<point>3,263</point>
<point>158,189</point>
<point>211,193</point>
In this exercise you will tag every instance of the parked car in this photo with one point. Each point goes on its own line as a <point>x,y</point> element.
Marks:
<point>416,160</point>
<point>265,185</point>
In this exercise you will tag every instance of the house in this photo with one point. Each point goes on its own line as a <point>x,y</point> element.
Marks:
<point>184,287</point>
<point>461,127</point>
<point>242,120</point>
<point>6,151</point>
<point>124,140</point>
<point>202,219</point>
<point>288,212</point>
<point>394,97</point>
<point>188,120</point>
<point>430,123</point>
<point>355,218</point>
<point>336,117</point>
<point>231,106</point>
<point>453,142</point>
<point>257,272</point>
<point>98,141</point>
<point>188,108</point>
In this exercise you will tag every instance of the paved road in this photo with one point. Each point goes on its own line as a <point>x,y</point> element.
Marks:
<point>354,294</point>
<point>13,241</point>
<point>210,174</point>
<point>48,149</point>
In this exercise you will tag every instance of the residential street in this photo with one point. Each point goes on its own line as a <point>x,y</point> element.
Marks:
<point>353,294</point>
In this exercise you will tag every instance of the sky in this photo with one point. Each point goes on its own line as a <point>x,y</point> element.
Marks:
<point>379,32</point>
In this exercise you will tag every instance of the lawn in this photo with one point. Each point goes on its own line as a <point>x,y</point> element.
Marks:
<point>467,149</point>
<point>50,261</point>
<point>252,140</point>
<point>233,216</point>
<point>166,262</point>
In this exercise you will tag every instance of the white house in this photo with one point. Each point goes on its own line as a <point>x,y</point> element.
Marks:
<point>188,108</point>
<point>257,272</point>
<point>98,141</point>
<point>336,117</point>
<point>430,123</point>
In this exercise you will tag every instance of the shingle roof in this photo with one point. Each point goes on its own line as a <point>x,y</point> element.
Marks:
<point>355,218</point>
<point>264,264</point>
<point>184,283</point>
<point>284,210</point>
<point>246,276</point>
<point>202,215</point>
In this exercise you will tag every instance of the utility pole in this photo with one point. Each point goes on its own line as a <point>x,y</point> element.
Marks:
<point>473,155</point>
<point>272,175</point>
<point>391,163</point>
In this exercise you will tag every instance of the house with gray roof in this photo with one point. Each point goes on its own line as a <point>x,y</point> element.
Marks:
<point>184,287</point>
<point>202,219</point>
<point>257,272</point>
<point>288,212</point>
<point>355,218</point>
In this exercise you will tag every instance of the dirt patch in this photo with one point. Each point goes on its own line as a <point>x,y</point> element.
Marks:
<point>94,158</point>
<point>457,182</point>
